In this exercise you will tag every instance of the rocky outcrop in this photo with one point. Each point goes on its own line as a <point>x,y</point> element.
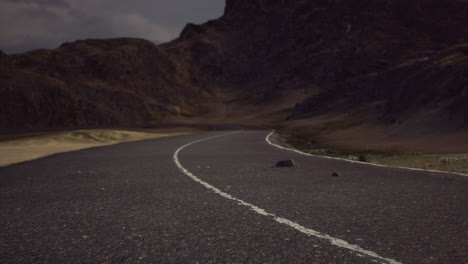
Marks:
<point>94,83</point>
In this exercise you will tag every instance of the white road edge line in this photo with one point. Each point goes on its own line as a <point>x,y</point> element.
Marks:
<point>267,139</point>
<point>334,241</point>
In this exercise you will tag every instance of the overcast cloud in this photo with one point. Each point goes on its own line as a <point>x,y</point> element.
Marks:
<point>33,24</point>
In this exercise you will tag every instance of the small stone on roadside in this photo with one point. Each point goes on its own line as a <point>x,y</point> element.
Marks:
<point>286,164</point>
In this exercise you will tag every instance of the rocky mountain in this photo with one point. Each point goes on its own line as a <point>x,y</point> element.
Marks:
<point>95,83</point>
<point>372,61</point>
<point>378,61</point>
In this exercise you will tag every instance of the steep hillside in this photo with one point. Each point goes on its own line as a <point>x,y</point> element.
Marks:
<point>429,91</point>
<point>369,61</point>
<point>95,83</point>
<point>385,62</point>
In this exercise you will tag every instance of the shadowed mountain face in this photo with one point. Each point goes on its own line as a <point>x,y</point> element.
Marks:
<point>94,83</point>
<point>377,61</point>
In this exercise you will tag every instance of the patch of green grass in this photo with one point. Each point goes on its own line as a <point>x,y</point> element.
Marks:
<point>312,143</point>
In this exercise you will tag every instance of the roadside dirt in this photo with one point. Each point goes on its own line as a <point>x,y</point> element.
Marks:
<point>18,148</point>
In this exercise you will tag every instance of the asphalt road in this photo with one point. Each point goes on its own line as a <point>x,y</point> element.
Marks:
<point>221,200</point>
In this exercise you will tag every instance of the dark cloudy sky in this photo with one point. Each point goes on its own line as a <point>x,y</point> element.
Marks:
<point>32,24</point>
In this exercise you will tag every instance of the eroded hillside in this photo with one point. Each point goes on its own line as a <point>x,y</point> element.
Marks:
<point>95,83</point>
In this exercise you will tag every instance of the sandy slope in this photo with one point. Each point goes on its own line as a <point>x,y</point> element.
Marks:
<point>13,150</point>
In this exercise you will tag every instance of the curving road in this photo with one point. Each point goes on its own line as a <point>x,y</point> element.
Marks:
<point>216,197</point>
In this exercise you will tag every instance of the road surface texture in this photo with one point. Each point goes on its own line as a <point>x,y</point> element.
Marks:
<point>216,197</point>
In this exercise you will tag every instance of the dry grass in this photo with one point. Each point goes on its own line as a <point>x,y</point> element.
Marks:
<point>451,163</point>
<point>342,132</point>
<point>444,152</point>
<point>17,148</point>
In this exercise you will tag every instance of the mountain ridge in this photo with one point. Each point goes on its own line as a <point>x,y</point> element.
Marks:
<point>373,61</point>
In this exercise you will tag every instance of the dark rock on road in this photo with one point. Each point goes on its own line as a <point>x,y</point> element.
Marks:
<point>286,164</point>
<point>336,174</point>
